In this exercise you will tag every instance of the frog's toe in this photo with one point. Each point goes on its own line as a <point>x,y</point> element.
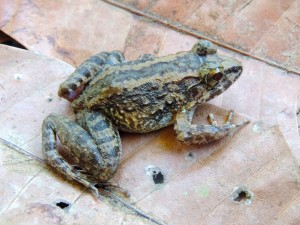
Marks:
<point>229,118</point>
<point>212,119</point>
<point>243,123</point>
<point>227,126</point>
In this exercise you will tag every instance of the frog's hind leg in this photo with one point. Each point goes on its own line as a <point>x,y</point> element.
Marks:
<point>197,134</point>
<point>90,68</point>
<point>92,161</point>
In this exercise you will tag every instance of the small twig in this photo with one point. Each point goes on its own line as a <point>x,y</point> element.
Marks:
<point>110,194</point>
<point>131,207</point>
<point>19,149</point>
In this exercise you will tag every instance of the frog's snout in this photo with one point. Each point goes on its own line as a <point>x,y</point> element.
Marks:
<point>232,68</point>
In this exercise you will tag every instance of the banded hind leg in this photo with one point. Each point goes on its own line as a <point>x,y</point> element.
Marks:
<point>92,142</point>
<point>90,68</point>
<point>197,134</point>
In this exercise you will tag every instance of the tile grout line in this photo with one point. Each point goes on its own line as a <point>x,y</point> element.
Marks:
<point>22,189</point>
<point>238,10</point>
<point>283,210</point>
<point>189,16</point>
<point>252,51</point>
<point>298,44</point>
<point>189,31</point>
<point>20,150</point>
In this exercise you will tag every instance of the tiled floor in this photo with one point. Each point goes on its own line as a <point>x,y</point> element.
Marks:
<point>264,28</point>
<point>198,180</point>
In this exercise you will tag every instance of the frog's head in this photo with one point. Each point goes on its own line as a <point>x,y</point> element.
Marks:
<point>217,72</point>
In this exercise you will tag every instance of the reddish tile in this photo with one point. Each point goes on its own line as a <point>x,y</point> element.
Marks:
<point>18,123</point>
<point>249,25</point>
<point>14,176</point>
<point>173,42</point>
<point>248,100</point>
<point>28,93</point>
<point>139,4</point>
<point>295,60</point>
<point>143,37</point>
<point>27,198</point>
<point>268,203</point>
<point>274,99</point>
<point>244,24</point>
<point>175,10</point>
<point>261,92</point>
<point>279,106</point>
<point>96,212</point>
<point>21,73</point>
<point>88,27</point>
<point>281,43</point>
<point>199,195</point>
<point>7,11</point>
<point>210,14</point>
<point>197,184</point>
<point>168,154</point>
<point>133,142</point>
<point>290,214</point>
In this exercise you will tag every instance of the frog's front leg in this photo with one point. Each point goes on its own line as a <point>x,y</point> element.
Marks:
<point>92,142</point>
<point>86,71</point>
<point>197,134</point>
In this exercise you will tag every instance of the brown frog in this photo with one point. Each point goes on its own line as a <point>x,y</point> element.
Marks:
<point>140,96</point>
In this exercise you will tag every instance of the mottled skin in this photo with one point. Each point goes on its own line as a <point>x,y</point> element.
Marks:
<point>140,96</point>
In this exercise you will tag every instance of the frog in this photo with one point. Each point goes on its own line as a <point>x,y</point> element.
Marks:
<point>108,94</point>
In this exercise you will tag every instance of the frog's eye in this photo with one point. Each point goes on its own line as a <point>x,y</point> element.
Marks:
<point>214,76</point>
<point>217,76</point>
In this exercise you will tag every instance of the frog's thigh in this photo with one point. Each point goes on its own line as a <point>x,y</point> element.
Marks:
<point>82,148</point>
<point>105,135</point>
<point>196,134</point>
<point>88,70</point>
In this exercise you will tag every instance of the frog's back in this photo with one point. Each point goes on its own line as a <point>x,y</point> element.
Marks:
<point>127,77</point>
<point>143,95</point>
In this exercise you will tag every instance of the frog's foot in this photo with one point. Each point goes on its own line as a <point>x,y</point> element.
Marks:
<point>90,68</point>
<point>198,134</point>
<point>92,161</point>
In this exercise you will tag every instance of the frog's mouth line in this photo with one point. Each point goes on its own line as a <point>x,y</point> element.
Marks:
<point>231,76</point>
